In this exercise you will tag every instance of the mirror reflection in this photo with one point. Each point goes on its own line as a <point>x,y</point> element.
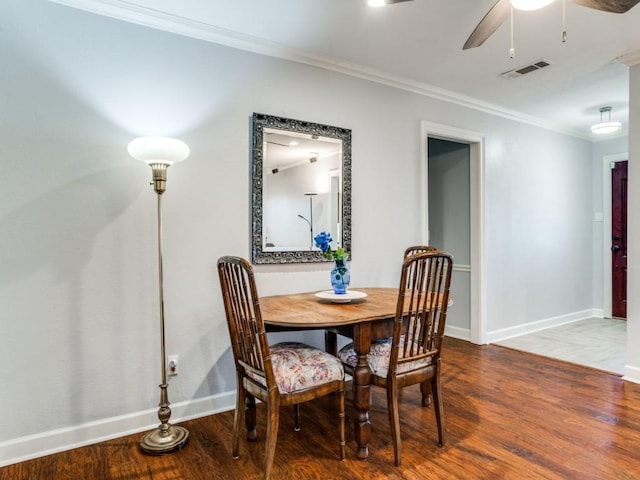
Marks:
<point>301,187</point>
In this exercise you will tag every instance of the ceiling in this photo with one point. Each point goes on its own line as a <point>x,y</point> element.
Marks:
<point>417,45</point>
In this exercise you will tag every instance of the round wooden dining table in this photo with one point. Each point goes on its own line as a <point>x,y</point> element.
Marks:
<point>363,320</point>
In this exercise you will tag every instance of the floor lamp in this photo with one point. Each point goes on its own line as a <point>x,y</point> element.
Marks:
<point>160,153</point>
<point>310,222</point>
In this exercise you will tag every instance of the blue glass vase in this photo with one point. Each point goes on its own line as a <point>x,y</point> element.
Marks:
<point>340,277</point>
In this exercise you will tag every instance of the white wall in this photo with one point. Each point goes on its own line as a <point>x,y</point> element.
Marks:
<point>539,228</point>
<point>78,291</point>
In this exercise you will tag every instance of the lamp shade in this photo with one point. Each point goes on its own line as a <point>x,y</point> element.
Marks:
<point>530,4</point>
<point>161,150</point>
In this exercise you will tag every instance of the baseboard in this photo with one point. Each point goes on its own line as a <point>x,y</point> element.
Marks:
<point>516,331</point>
<point>457,332</point>
<point>62,439</point>
<point>46,443</point>
<point>631,374</point>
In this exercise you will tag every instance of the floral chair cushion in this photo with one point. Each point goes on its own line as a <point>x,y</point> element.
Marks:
<point>378,358</point>
<point>297,366</point>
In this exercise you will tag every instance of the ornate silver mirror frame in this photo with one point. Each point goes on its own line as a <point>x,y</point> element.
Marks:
<point>268,129</point>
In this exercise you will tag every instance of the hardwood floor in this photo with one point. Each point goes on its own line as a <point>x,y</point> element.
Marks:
<point>508,415</point>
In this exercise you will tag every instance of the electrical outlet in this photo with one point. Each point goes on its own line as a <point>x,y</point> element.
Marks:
<point>172,365</point>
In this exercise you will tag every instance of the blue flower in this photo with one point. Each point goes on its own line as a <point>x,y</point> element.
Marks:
<point>323,241</point>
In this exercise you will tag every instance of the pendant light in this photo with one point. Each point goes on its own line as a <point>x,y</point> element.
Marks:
<point>603,127</point>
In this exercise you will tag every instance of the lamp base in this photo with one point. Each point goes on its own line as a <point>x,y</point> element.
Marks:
<point>159,442</point>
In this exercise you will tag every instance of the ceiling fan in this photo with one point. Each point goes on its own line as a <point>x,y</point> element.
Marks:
<point>501,10</point>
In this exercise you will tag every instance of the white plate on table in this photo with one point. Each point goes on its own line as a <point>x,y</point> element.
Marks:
<point>341,297</point>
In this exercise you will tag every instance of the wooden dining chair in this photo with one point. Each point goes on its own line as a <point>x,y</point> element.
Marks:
<point>412,355</point>
<point>331,336</point>
<point>283,374</point>
<point>426,399</point>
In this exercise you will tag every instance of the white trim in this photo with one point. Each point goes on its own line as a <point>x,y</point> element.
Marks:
<point>461,268</point>
<point>423,195</point>
<point>630,59</point>
<point>457,332</point>
<point>631,374</point>
<point>607,277</point>
<point>61,439</point>
<point>129,12</point>
<point>476,141</point>
<point>531,327</point>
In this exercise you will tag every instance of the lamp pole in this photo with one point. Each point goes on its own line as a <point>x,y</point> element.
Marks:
<point>311,195</point>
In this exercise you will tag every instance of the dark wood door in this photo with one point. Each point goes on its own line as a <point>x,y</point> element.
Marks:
<point>619,239</point>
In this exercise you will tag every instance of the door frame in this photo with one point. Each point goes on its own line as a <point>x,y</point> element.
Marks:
<point>476,142</point>
<point>606,230</point>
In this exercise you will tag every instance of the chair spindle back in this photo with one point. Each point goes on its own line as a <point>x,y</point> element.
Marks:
<point>246,327</point>
<point>422,308</point>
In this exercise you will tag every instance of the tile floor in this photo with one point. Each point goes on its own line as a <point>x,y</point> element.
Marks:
<point>595,342</point>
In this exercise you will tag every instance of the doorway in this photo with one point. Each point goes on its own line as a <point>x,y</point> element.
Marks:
<point>449,218</point>
<point>619,239</point>
<point>596,342</point>
<point>608,165</point>
<point>473,301</point>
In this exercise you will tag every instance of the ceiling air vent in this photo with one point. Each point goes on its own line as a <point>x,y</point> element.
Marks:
<point>518,72</point>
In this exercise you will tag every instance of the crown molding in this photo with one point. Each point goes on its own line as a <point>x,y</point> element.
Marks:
<point>630,59</point>
<point>149,17</point>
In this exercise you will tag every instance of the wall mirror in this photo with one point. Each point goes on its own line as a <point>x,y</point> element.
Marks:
<point>301,186</point>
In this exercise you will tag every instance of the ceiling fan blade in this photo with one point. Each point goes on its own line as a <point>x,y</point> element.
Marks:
<point>490,23</point>
<point>611,6</point>
<point>390,2</point>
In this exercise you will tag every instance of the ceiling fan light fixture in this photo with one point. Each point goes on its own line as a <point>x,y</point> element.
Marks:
<point>376,3</point>
<point>604,128</point>
<point>530,4</point>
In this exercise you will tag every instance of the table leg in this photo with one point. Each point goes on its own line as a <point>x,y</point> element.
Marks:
<point>250,418</point>
<point>331,342</point>
<point>362,389</point>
